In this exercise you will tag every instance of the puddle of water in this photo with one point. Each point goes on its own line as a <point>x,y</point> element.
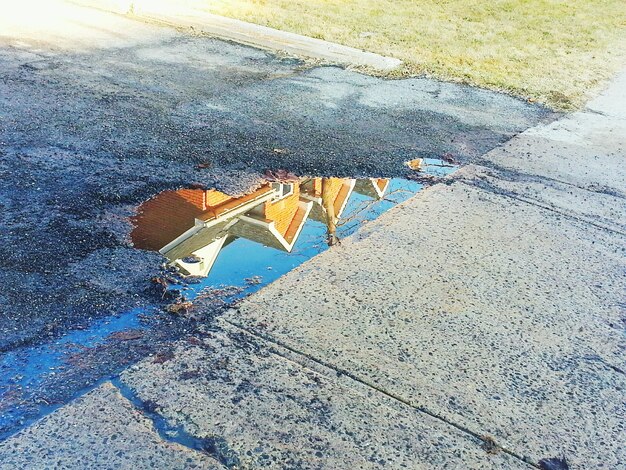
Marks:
<point>220,241</point>
<point>26,368</point>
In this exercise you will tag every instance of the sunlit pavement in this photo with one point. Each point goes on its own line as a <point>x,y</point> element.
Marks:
<point>478,325</point>
<point>68,27</point>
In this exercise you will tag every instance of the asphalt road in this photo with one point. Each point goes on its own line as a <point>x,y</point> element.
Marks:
<point>99,113</point>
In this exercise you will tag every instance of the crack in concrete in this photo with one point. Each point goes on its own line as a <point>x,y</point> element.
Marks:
<point>518,197</point>
<point>487,442</point>
<point>516,176</point>
<point>215,446</point>
<point>604,362</point>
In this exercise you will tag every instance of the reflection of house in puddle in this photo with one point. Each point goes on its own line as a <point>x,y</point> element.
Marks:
<point>191,226</point>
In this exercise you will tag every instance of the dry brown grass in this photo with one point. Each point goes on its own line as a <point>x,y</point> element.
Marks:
<point>553,51</point>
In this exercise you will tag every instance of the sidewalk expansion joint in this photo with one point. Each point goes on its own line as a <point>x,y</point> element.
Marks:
<point>487,441</point>
<point>531,202</point>
<point>516,176</point>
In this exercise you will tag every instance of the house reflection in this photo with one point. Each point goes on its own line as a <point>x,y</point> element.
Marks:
<point>191,226</point>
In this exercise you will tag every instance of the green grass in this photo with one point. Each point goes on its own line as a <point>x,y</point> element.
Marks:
<point>556,52</point>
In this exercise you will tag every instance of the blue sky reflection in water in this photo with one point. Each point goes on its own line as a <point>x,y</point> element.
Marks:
<point>245,259</point>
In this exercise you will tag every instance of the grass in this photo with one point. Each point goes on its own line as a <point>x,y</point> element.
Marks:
<point>556,52</point>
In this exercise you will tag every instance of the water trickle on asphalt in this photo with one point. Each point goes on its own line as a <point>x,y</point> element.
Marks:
<point>221,246</point>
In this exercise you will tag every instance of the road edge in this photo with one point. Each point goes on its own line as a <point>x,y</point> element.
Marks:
<point>249,34</point>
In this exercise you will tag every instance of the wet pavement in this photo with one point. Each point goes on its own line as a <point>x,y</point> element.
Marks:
<point>217,249</point>
<point>99,114</point>
<point>496,329</point>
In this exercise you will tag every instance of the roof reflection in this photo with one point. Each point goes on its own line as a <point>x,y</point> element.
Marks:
<point>190,227</point>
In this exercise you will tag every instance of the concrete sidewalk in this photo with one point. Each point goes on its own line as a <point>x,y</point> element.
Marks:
<point>479,325</point>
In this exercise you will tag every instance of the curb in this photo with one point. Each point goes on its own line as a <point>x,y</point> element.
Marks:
<point>245,33</point>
